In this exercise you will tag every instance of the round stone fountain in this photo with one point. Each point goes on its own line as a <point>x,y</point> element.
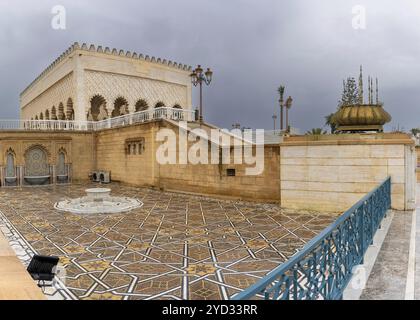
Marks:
<point>98,200</point>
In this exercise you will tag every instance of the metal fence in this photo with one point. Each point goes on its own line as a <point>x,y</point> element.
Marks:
<point>323,268</point>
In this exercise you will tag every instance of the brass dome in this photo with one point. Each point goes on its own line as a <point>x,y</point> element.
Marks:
<point>361,117</point>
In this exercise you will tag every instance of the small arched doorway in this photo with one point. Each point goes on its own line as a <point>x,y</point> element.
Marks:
<point>120,107</point>
<point>97,111</point>
<point>141,105</point>
<point>159,112</point>
<point>177,113</point>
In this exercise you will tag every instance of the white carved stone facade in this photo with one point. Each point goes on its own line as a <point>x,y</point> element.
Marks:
<point>118,80</point>
<point>57,97</point>
<point>113,86</point>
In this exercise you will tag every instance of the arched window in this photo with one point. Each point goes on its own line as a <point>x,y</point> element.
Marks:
<point>54,113</point>
<point>97,111</point>
<point>61,115</point>
<point>41,116</point>
<point>177,114</point>
<point>36,117</point>
<point>141,105</point>
<point>61,165</point>
<point>120,107</point>
<point>47,115</point>
<point>160,104</point>
<point>70,110</point>
<point>10,165</point>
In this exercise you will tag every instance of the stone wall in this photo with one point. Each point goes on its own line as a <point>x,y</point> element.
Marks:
<point>201,179</point>
<point>138,169</point>
<point>327,173</point>
<point>77,146</point>
<point>332,172</point>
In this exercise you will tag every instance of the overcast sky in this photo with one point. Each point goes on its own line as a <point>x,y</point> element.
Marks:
<point>252,46</point>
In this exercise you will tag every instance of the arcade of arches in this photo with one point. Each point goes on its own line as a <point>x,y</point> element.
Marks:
<point>60,112</point>
<point>100,109</point>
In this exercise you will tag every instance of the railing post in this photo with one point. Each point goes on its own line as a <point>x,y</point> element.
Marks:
<point>362,240</point>
<point>372,218</point>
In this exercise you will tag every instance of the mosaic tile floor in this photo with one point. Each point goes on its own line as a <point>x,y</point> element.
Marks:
<point>175,247</point>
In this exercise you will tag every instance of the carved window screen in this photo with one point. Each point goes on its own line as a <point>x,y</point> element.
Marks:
<point>134,146</point>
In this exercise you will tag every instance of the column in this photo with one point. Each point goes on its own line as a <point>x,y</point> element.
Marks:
<point>79,105</point>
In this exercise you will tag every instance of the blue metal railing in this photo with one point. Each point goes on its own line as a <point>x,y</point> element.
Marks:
<point>323,268</point>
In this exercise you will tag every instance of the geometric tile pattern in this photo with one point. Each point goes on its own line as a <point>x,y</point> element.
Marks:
<point>111,86</point>
<point>174,247</point>
<point>58,93</point>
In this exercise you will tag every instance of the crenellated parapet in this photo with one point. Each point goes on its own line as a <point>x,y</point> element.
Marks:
<point>115,52</point>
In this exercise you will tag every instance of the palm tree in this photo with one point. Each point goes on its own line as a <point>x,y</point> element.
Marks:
<point>329,121</point>
<point>316,131</point>
<point>415,131</point>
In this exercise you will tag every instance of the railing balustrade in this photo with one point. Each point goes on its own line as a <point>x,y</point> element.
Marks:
<point>323,268</point>
<point>137,117</point>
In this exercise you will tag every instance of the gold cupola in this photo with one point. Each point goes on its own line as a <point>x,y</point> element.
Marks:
<point>362,116</point>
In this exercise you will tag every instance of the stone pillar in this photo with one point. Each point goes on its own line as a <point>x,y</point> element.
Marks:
<point>54,174</point>
<point>330,173</point>
<point>1,177</point>
<point>410,177</point>
<point>79,106</point>
<point>21,170</point>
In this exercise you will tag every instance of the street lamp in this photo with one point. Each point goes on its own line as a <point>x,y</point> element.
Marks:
<point>289,102</point>
<point>281,92</point>
<point>274,121</point>
<point>198,78</point>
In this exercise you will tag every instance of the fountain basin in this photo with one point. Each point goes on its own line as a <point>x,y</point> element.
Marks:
<point>98,194</point>
<point>98,201</point>
<point>10,181</point>
<point>37,180</point>
<point>62,178</point>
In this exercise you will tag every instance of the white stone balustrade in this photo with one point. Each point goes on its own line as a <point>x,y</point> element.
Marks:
<point>128,119</point>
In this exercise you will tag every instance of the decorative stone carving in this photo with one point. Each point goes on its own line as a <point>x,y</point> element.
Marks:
<point>60,92</point>
<point>132,89</point>
<point>61,164</point>
<point>134,146</point>
<point>36,162</point>
<point>10,165</point>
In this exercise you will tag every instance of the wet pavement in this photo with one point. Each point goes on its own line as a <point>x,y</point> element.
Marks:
<point>175,247</point>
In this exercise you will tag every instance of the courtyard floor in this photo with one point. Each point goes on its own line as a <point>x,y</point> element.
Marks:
<point>175,247</point>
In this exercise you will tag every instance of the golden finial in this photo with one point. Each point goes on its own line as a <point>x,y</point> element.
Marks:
<point>361,85</point>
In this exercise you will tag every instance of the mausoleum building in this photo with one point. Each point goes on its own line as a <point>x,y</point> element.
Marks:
<point>95,83</point>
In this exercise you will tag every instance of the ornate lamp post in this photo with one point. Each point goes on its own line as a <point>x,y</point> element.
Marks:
<point>198,78</point>
<point>274,121</point>
<point>289,102</point>
<point>281,92</point>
